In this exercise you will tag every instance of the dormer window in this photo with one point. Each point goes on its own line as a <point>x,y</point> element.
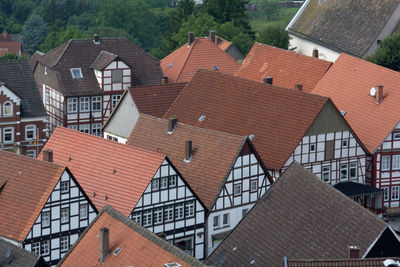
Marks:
<point>76,73</point>
<point>116,76</point>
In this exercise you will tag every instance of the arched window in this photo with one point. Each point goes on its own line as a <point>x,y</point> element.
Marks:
<point>7,109</point>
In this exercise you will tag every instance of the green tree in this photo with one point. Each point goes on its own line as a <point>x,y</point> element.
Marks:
<point>34,32</point>
<point>185,8</point>
<point>59,35</point>
<point>236,35</point>
<point>269,8</point>
<point>388,53</point>
<point>274,36</point>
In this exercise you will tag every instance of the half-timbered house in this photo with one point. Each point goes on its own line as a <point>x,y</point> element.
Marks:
<point>43,209</point>
<point>368,95</point>
<point>224,170</point>
<point>22,114</point>
<point>153,100</point>
<point>138,183</point>
<point>81,81</point>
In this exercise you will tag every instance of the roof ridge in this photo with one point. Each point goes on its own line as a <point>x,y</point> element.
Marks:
<point>12,154</point>
<point>223,51</point>
<point>63,52</point>
<point>157,85</point>
<point>110,141</point>
<point>363,61</point>
<point>187,56</point>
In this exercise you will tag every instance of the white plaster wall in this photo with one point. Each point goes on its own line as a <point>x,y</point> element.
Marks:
<point>305,47</point>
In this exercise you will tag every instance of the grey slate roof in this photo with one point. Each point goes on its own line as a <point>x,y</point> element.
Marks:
<point>83,53</point>
<point>349,26</point>
<point>18,256</point>
<point>300,217</point>
<point>17,76</point>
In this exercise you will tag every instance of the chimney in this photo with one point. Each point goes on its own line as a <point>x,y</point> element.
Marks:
<point>48,155</point>
<point>17,149</point>
<point>164,80</point>
<point>298,87</point>
<point>171,124</point>
<point>211,35</point>
<point>188,154</point>
<point>315,53</point>
<point>23,150</point>
<point>96,39</point>
<point>104,244</point>
<point>354,252</point>
<point>190,38</point>
<point>268,80</point>
<point>379,89</point>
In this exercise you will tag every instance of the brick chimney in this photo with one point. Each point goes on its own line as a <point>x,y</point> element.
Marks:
<point>48,155</point>
<point>17,149</point>
<point>96,39</point>
<point>104,244</point>
<point>268,80</point>
<point>354,252</point>
<point>298,87</point>
<point>315,53</point>
<point>164,80</point>
<point>188,150</point>
<point>171,124</point>
<point>190,38</point>
<point>379,92</point>
<point>211,36</point>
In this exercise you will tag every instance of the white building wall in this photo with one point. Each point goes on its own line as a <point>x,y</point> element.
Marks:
<point>305,47</point>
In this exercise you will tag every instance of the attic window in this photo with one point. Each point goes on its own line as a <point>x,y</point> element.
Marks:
<point>170,64</point>
<point>343,113</point>
<point>173,264</point>
<point>117,250</point>
<point>216,67</point>
<point>251,136</point>
<point>76,73</point>
<point>202,117</point>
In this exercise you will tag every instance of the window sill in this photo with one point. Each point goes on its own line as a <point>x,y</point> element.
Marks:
<point>221,227</point>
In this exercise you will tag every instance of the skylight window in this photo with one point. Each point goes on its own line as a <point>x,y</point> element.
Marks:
<point>251,136</point>
<point>216,67</point>
<point>76,73</point>
<point>170,64</point>
<point>342,112</point>
<point>202,117</point>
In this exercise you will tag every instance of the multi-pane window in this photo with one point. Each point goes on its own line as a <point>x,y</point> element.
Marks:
<point>237,190</point>
<point>225,219</point>
<point>386,193</point>
<point>76,73</point>
<point>64,187</point>
<point>36,248</point>
<point>64,215</point>
<point>344,171</point>
<point>46,219</point>
<point>385,163</point>
<point>345,143</point>
<point>155,184</point>
<point>84,104</point>
<point>31,153</point>
<point>30,132</point>
<point>84,128</point>
<point>47,97</point>
<point>395,192</point>
<point>96,129</point>
<point>168,213</point>
<point>353,170</point>
<point>8,135</point>
<point>72,105</point>
<point>326,173</point>
<point>189,209</point>
<point>179,211</point>
<point>64,243</point>
<point>7,109</point>
<point>164,182</point>
<point>158,215</point>
<point>45,247</point>
<point>396,136</point>
<point>137,217</point>
<point>147,218</point>
<point>115,99</point>
<point>83,211</point>
<point>312,147</point>
<point>116,76</point>
<point>253,186</point>
<point>216,221</point>
<point>73,127</point>
<point>396,162</point>
<point>172,180</point>
<point>96,103</point>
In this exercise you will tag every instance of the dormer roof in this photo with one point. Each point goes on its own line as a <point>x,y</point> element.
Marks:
<point>103,60</point>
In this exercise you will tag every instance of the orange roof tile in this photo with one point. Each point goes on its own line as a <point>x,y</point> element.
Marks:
<point>285,67</point>
<point>109,172</point>
<point>10,46</point>
<point>213,151</point>
<point>26,185</point>
<point>348,83</point>
<point>222,43</point>
<point>139,247</point>
<point>180,65</point>
<point>278,117</point>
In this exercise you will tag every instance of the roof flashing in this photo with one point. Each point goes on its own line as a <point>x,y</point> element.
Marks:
<point>76,73</point>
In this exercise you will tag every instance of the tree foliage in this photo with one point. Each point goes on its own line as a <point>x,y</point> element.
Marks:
<point>34,33</point>
<point>274,36</point>
<point>388,53</point>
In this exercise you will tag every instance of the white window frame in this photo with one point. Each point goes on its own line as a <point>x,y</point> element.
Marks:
<point>84,128</point>
<point>325,172</point>
<point>10,109</point>
<point>189,209</point>
<point>84,104</point>
<point>64,215</point>
<point>76,73</point>
<point>64,187</point>
<point>96,129</point>
<point>30,128</point>
<point>83,211</point>
<point>172,180</point>
<point>169,213</point>
<point>114,100</point>
<point>344,167</point>
<point>235,192</point>
<point>158,215</point>
<point>385,193</point>
<point>96,101</point>
<point>45,219</point>
<point>64,243</point>
<point>35,248</point>
<point>73,127</point>
<point>252,183</point>
<point>147,217</point>
<point>396,136</point>
<point>45,247</point>
<point>164,182</point>
<point>72,105</point>
<point>137,217</point>
<point>6,131</point>
<point>385,163</point>
<point>395,192</point>
<point>47,97</point>
<point>155,184</point>
<point>216,221</point>
<point>345,143</point>
<point>353,166</point>
<point>225,219</point>
<point>179,211</point>
<point>395,162</point>
<point>314,146</point>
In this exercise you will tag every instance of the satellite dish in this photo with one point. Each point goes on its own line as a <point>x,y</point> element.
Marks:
<point>372,92</point>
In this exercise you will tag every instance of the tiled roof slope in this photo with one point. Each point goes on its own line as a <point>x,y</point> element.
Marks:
<point>349,26</point>
<point>26,185</point>
<point>139,246</point>
<point>278,117</point>
<point>285,67</point>
<point>33,59</point>
<point>348,84</point>
<point>375,262</point>
<point>155,100</point>
<point>83,53</point>
<point>180,65</point>
<point>299,217</point>
<point>103,60</point>
<point>17,76</point>
<point>214,152</point>
<point>18,256</point>
<point>109,172</point>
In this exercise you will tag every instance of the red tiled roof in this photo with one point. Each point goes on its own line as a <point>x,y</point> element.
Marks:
<point>285,67</point>
<point>180,65</point>
<point>278,117</point>
<point>25,186</point>
<point>212,151</point>
<point>222,43</point>
<point>109,172</point>
<point>11,47</point>
<point>139,247</point>
<point>348,83</point>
